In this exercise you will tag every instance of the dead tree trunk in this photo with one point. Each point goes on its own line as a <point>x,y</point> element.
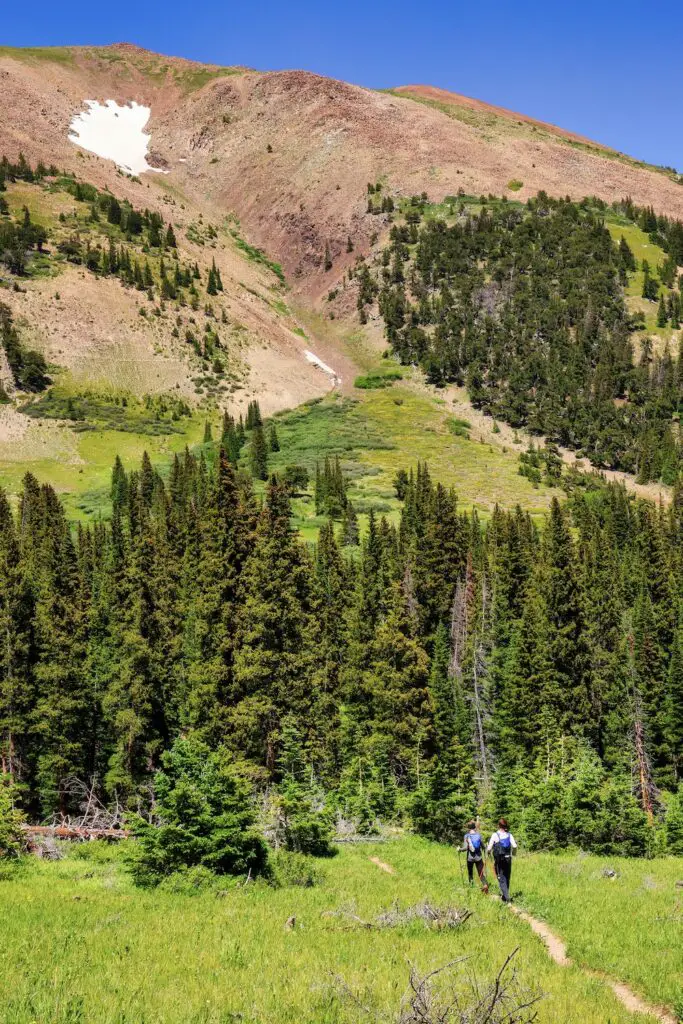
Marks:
<point>469,659</point>
<point>479,673</point>
<point>646,789</point>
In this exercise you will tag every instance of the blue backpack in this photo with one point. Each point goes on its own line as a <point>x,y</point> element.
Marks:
<point>474,840</point>
<point>502,848</point>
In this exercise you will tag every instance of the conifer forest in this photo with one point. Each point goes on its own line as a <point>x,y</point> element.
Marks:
<point>438,667</point>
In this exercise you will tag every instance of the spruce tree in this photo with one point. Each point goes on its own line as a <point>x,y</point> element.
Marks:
<point>258,456</point>
<point>273,440</point>
<point>662,318</point>
<point>275,636</point>
<point>567,644</point>
<point>17,690</point>
<point>350,534</point>
<point>674,705</point>
<point>216,276</point>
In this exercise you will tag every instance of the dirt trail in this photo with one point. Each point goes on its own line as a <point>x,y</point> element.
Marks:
<point>558,952</point>
<point>380,864</point>
<point>554,944</point>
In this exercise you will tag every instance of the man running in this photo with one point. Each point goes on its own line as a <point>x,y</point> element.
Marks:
<point>501,844</point>
<point>473,845</point>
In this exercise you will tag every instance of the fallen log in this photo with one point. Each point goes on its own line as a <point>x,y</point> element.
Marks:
<point>75,832</point>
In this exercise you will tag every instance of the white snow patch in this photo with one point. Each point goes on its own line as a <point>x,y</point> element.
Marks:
<point>115,133</point>
<point>313,358</point>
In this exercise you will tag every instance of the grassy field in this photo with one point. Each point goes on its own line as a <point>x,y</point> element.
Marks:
<point>393,428</point>
<point>375,435</point>
<point>630,927</point>
<point>79,465</point>
<point>642,249</point>
<point>78,943</point>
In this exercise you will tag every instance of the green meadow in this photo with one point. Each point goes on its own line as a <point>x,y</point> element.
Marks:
<point>642,249</point>
<point>392,428</point>
<point>374,435</point>
<point>629,925</point>
<point>79,943</point>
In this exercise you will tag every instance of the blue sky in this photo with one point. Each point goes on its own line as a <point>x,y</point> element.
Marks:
<point>610,70</point>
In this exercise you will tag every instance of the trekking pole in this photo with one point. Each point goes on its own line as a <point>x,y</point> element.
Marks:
<point>462,875</point>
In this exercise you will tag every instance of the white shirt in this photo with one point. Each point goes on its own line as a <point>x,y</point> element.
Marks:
<point>496,838</point>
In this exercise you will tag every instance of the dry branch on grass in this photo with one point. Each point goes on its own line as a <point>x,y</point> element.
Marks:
<point>466,1000</point>
<point>434,916</point>
<point>93,815</point>
<point>93,821</point>
<point>438,997</point>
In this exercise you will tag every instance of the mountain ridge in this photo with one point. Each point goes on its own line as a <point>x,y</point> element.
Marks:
<point>279,164</point>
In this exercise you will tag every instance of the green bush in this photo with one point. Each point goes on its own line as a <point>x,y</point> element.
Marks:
<point>97,851</point>
<point>459,427</point>
<point>303,826</point>
<point>515,184</point>
<point>371,381</point>
<point>11,819</point>
<point>206,818</point>
<point>298,869</point>
<point>295,479</point>
<point>192,881</point>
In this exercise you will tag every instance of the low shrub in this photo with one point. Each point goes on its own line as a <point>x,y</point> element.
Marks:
<point>193,881</point>
<point>11,819</point>
<point>459,427</point>
<point>372,381</point>
<point>295,869</point>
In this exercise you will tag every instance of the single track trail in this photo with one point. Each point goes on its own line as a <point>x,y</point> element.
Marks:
<point>558,951</point>
<point>382,865</point>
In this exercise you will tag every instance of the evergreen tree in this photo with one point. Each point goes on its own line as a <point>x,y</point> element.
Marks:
<point>258,457</point>
<point>207,818</point>
<point>674,705</point>
<point>568,693</point>
<point>275,657</point>
<point>273,441</point>
<point>662,317</point>
<point>216,276</point>
<point>350,535</point>
<point>254,418</point>
<point>11,819</point>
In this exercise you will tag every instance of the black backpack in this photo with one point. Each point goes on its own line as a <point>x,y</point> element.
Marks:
<point>502,848</point>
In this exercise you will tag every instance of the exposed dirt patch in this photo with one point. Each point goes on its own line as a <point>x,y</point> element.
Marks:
<point>25,440</point>
<point>382,865</point>
<point>291,152</point>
